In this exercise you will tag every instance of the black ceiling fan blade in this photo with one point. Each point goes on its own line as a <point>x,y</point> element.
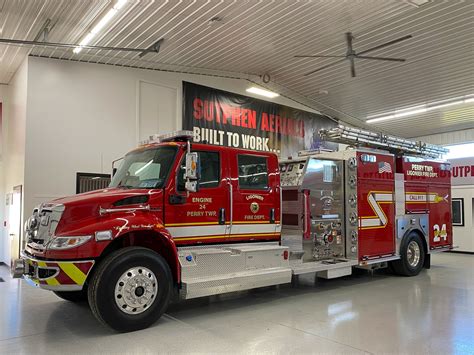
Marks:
<point>381,58</point>
<point>386,44</point>
<point>353,69</point>
<point>349,38</point>
<point>325,66</point>
<point>319,56</point>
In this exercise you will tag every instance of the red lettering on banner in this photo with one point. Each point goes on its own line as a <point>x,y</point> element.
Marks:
<point>236,116</point>
<point>277,124</point>
<point>197,104</point>
<point>243,118</point>
<point>247,118</point>
<point>252,118</point>
<point>208,110</point>
<point>264,121</point>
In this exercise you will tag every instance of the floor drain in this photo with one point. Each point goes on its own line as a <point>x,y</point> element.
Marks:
<point>2,280</point>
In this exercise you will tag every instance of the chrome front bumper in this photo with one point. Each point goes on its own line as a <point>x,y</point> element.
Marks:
<point>52,275</point>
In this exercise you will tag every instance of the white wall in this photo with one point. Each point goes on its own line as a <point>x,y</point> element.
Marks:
<point>13,143</point>
<point>82,116</point>
<point>463,237</point>
<point>3,99</point>
<point>463,136</point>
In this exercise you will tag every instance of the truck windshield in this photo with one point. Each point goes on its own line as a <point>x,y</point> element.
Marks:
<point>145,169</point>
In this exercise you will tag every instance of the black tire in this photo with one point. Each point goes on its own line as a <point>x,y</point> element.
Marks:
<point>105,288</point>
<point>73,296</point>
<point>410,263</point>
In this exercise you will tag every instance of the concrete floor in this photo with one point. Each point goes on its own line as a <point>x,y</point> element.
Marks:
<point>428,314</point>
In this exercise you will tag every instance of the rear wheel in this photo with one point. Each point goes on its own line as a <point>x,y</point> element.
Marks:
<point>412,256</point>
<point>73,296</point>
<point>130,289</point>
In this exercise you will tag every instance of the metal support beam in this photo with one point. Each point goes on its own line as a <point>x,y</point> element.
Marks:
<point>154,48</point>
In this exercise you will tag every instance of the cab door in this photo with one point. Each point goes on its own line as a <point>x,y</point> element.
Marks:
<point>202,216</point>
<point>255,197</point>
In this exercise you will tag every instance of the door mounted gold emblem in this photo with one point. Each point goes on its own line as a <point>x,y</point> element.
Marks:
<point>254,207</point>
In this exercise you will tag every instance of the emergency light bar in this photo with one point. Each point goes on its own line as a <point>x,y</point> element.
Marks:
<point>176,136</point>
<point>357,136</point>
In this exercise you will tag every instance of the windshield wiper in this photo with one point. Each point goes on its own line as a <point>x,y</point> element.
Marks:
<point>126,187</point>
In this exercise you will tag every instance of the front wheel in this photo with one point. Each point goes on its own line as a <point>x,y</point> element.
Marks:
<point>412,256</point>
<point>130,289</point>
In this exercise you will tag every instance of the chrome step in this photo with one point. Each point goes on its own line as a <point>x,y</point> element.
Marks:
<point>226,268</point>
<point>245,280</point>
<point>323,266</point>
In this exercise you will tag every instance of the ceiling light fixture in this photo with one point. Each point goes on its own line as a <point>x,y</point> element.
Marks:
<point>417,3</point>
<point>414,110</point>
<point>262,92</point>
<point>100,25</point>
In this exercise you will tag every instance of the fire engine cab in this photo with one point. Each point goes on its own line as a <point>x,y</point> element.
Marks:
<point>198,220</point>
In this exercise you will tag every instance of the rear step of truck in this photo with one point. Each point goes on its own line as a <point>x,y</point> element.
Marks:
<point>227,268</point>
<point>220,269</point>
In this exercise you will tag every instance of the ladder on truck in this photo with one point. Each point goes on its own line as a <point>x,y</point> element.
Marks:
<point>360,137</point>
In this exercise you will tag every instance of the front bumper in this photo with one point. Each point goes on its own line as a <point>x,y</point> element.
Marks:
<point>52,275</point>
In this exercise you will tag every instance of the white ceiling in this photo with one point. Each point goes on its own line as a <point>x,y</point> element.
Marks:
<point>256,37</point>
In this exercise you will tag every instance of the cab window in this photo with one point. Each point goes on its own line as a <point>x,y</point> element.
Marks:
<point>253,172</point>
<point>210,171</point>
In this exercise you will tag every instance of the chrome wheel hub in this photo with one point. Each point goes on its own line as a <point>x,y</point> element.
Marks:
<point>136,290</point>
<point>413,253</point>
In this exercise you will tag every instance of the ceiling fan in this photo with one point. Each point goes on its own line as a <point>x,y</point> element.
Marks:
<point>351,54</point>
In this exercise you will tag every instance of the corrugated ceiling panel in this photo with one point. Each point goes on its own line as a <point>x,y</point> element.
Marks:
<point>256,37</point>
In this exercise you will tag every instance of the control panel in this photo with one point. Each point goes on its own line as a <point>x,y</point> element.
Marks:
<point>328,241</point>
<point>291,172</point>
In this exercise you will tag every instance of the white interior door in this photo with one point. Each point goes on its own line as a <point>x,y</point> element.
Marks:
<point>14,222</point>
<point>156,109</point>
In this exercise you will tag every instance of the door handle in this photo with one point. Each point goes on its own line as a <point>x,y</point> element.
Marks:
<point>177,199</point>
<point>272,215</point>
<point>222,216</point>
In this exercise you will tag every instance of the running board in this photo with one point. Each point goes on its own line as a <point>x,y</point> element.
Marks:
<point>327,269</point>
<point>246,280</point>
<point>212,270</point>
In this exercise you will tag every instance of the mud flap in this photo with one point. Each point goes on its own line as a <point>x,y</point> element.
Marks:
<point>427,263</point>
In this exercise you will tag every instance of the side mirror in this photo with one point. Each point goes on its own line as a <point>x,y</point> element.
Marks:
<point>193,172</point>
<point>114,167</point>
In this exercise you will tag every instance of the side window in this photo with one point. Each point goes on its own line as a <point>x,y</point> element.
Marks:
<point>210,171</point>
<point>253,172</point>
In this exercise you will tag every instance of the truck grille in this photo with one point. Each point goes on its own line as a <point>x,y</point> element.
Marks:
<point>41,226</point>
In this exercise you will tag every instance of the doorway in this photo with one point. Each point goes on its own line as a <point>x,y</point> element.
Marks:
<point>13,214</point>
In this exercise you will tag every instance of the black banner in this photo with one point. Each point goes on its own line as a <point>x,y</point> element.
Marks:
<point>223,118</point>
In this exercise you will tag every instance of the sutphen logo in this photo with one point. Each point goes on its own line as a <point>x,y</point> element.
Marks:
<point>462,171</point>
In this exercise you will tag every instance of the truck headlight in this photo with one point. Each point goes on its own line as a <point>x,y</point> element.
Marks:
<point>67,242</point>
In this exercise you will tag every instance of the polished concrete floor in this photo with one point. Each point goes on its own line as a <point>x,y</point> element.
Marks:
<point>432,313</point>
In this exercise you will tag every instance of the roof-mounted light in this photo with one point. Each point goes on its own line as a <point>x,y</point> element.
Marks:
<point>176,136</point>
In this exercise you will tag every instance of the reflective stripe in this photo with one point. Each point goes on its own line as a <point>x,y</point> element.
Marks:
<point>73,272</point>
<point>219,230</point>
<point>52,282</point>
<point>232,236</point>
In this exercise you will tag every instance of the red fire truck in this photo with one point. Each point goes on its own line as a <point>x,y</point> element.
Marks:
<point>193,220</point>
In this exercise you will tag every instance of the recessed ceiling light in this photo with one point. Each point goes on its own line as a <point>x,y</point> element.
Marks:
<point>100,25</point>
<point>417,3</point>
<point>414,110</point>
<point>262,92</point>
